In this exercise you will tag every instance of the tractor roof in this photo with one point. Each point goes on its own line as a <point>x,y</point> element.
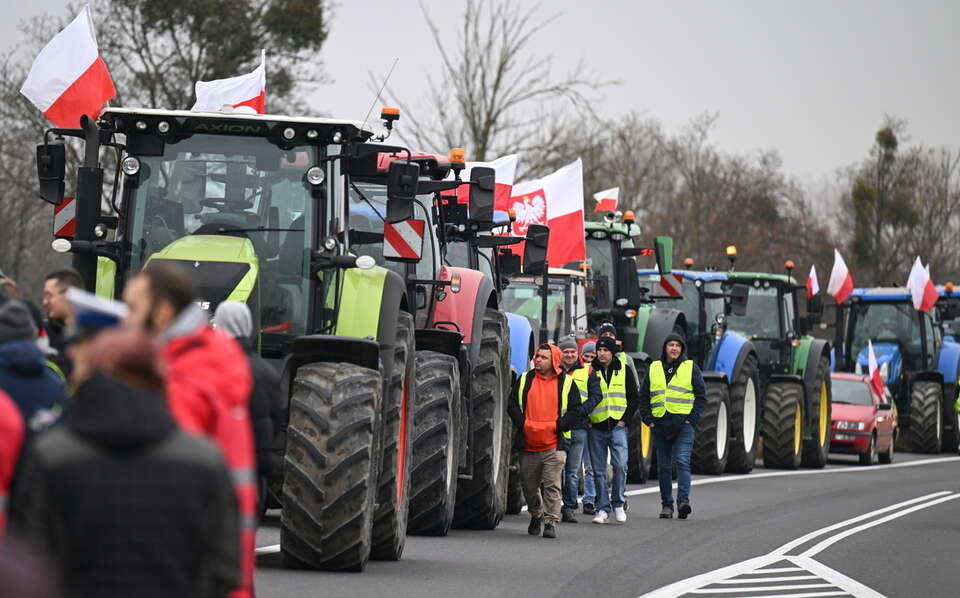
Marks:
<point>781,278</point>
<point>689,274</point>
<point>883,294</point>
<point>618,227</point>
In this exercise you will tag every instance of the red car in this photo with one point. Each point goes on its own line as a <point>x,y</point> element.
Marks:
<point>863,422</point>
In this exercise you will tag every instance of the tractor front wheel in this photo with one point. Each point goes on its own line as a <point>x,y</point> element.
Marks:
<point>925,426</point>
<point>712,440</point>
<point>744,417</point>
<point>783,425</point>
<point>817,447</point>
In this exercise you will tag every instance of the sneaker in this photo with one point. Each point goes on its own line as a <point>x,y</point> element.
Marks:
<point>549,531</point>
<point>601,517</point>
<point>568,517</point>
<point>534,528</point>
<point>588,509</point>
<point>620,514</point>
<point>684,510</point>
<point>666,512</point>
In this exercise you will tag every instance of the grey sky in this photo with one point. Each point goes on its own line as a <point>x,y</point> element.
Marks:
<point>812,79</point>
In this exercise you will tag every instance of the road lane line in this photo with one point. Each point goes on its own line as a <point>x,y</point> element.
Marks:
<point>774,570</point>
<point>808,586</point>
<point>807,594</point>
<point>272,549</point>
<point>768,579</point>
<point>776,474</point>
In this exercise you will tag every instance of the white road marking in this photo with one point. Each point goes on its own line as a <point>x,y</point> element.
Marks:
<point>272,549</point>
<point>808,586</point>
<point>768,579</point>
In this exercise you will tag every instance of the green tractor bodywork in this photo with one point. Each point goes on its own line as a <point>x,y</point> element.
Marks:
<point>257,208</point>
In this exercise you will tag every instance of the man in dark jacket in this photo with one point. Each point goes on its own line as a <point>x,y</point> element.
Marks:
<point>578,454</point>
<point>671,400</point>
<point>60,314</point>
<point>543,403</point>
<point>121,500</point>
<point>610,419</point>
<point>37,391</point>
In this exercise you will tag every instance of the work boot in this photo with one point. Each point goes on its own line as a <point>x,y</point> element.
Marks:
<point>534,528</point>
<point>549,531</point>
<point>666,512</point>
<point>568,517</point>
<point>588,509</point>
<point>683,510</point>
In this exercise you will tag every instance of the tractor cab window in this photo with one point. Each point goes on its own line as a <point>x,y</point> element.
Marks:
<point>600,256</point>
<point>458,256</point>
<point>523,297</point>
<point>894,323</point>
<point>788,315</point>
<point>223,206</point>
<point>932,335</point>
<point>762,320</point>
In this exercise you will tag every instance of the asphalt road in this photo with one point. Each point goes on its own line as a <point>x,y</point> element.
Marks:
<point>844,530</point>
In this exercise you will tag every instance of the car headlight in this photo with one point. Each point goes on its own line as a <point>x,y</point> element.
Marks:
<point>845,425</point>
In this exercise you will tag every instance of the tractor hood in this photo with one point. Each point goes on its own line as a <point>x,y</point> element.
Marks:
<point>889,360</point>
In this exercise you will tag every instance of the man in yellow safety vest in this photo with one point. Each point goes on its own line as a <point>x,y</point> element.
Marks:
<point>578,454</point>
<point>671,400</point>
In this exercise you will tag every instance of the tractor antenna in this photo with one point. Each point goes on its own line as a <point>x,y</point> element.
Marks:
<point>377,97</point>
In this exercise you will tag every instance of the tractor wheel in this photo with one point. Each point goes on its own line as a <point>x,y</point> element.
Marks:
<point>712,441</point>
<point>481,501</point>
<point>925,423</point>
<point>435,444</point>
<point>393,496</point>
<point>783,426</point>
<point>515,500</point>
<point>951,435</point>
<point>330,466</point>
<point>744,417</point>
<point>639,452</point>
<point>817,448</point>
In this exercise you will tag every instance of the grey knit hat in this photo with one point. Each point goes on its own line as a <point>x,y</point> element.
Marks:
<point>567,342</point>
<point>234,318</point>
<point>16,323</point>
<point>590,347</point>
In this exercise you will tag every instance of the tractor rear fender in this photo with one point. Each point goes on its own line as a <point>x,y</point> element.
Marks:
<point>641,321</point>
<point>926,376</point>
<point>809,353</point>
<point>328,348</point>
<point>716,377</point>
<point>729,354</point>
<point>521,342</point>
<point>947,361</point>
<point>662,321</point>
<point>641,361</point>
<point>465,308</point>
<point>440,340</point>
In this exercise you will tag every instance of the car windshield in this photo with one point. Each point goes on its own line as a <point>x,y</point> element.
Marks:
<point>851,392</point>
<point>246,191</point>
<point>886,322</point>
<point>762,319</point>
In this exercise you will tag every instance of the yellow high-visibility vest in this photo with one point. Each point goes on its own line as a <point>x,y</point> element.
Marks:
<point>614,402</point>
<point>568,382</point>
<point>675,396</point>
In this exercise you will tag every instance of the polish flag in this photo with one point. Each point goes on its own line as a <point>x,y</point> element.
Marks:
<point>876,381</point>
<point>813,285</point>
<point>922,289</point>
<point>607,200</point>
<point>506,170</point>
<point>841,283</point>
<point>248,90</point>
<point>69,78</point>
<point>557,201</point>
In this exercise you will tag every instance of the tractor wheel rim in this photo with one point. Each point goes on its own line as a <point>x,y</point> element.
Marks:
<point>749,415</point>
<point>939,428</point>
<point>797,429</point>
<point>722,431</point>
<point>824,407</point>
<point>645,437</point>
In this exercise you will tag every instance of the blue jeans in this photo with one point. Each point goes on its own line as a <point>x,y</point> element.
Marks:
<point>670,448</point>
<point>577,453</point>
<point>615,441</point>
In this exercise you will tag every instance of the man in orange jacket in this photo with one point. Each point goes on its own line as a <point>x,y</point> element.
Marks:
<point>208,384</point>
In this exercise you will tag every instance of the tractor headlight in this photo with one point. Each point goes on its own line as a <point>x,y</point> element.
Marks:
<point>130,166</point>
<point>618,236</point>
<point>315,175</point>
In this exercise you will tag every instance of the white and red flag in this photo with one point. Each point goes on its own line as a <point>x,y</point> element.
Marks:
<point>557,201</point>
<point>876,380</point>
<point>813,285</point>
<point>922,290</point>
<point>506,170</point>
<point>607,200</point>
<point>244,90</point>
<point>69,78</point>
<point>841,283</point>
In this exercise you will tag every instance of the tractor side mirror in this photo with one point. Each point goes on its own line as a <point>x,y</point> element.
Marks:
<point>51,169</point>
<point>482,183</point>
<point>421,297</point>
<point>950,311</point>
<point>509,263</point>
<point>628,285</point>
<point>815,309</point>
<point>535,249</point>
<point>663,250</point>
<point>737,300</point>
<point>401,190</point>
<point>403,241</point>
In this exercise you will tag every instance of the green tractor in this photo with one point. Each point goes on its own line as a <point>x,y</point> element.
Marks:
<point>258,208</point>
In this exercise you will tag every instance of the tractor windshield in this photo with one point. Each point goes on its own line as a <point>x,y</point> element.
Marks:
<point>247,193</point>
<point>600,256</point>
<point>523,297</point>
<point>762,320</point>
<point>886,322</point>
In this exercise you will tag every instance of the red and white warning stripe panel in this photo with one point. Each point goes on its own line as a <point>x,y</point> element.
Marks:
<point>65,218</point>
<point>403,241</point>
<point>672,284</point>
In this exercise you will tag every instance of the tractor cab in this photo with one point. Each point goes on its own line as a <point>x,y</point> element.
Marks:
<point>565,305</point>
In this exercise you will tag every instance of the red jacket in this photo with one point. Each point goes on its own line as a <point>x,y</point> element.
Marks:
<point>208,389</point>
<point>11,439</point>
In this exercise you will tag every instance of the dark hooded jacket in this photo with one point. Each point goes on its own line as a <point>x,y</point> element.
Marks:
<point>37,391</point>
<point>631,390</point>
<point>670,423</point>
<point>124,503</point>
<point>266,406</point>
<point>516,406</point>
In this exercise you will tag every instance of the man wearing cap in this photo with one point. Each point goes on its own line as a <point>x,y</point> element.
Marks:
<point>608,330</point>
<point>671,400</point>
<point>578,454</point>
<point>588,353</point>
<point>609,421</point>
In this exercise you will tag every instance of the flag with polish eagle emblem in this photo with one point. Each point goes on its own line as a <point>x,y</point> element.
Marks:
<point>557,201</point>
<point>813,285</point>
<point>69,78</point>
<point>248,90</point>
<point>841,283</point>
<point>607,200</point>
<point>876,380</point>
<point>922,290</point>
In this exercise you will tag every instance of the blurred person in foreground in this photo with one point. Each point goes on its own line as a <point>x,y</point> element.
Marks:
<point>60,315</point>
<point>119,498</point>
<point>208,383</point>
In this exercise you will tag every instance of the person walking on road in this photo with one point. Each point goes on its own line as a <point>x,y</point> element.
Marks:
<point>578,455</point>
<point>121,501</point>
<point>671,400</point>
<point>609,421</point>
<point>208,384</point>
<point>608,330</point>
<point>542,404</point>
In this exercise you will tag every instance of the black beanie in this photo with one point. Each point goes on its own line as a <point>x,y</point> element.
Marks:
<point>607,327</point>
<point>673,336</point>
<point>608,343</point>
<point>16,323</point>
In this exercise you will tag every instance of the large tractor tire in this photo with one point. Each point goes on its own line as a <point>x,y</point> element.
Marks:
<point>482,500</point>
<point>951,437</point>
<point>816,449</point>
<point>711,446</point>
<point>436,438</point>
<point>925,423</point>
<point>330,467</point>
<point>783,425</point>
<point>515,500</point>
<point>639,452</point>
<point>393,496</point>
<point>744,417</point>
